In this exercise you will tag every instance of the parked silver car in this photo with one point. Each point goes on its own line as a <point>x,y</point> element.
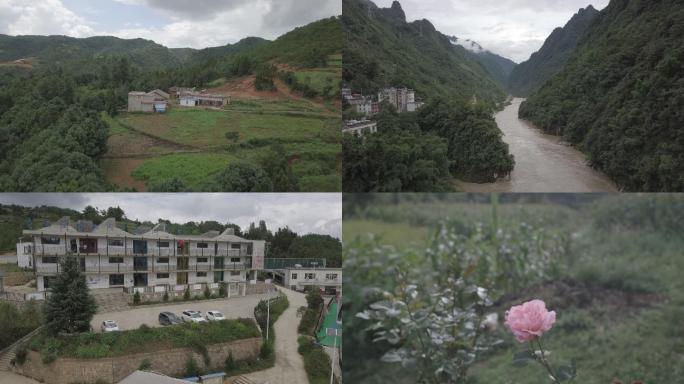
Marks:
<point>190,316</point>
<point>215,316</point>
<point>110,326</point>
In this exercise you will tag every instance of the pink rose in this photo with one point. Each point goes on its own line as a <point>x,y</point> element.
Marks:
<point>529,320</point>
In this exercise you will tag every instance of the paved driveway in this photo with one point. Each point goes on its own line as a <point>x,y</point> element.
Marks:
<point>289,366</point>
<point>232,308</point>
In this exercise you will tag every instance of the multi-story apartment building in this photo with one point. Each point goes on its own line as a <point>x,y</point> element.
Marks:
<point>153,261</point>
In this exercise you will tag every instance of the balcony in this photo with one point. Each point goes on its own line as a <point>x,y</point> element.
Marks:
<point>128,268</point>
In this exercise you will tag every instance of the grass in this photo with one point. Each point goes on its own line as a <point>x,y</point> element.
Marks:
<point>144,339</point>
<point>325,83</point>
<point>193,168</point>
<point>396,234</point>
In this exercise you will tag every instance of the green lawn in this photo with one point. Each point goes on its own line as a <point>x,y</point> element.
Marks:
<point>396,234</point>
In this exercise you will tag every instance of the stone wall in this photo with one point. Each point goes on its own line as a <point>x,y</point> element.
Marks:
<point>112,370</point>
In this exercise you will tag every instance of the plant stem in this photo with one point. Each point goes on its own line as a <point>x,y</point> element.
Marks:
<point>542,360</point>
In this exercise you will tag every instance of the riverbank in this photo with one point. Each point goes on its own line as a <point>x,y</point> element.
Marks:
<point>543,163</point>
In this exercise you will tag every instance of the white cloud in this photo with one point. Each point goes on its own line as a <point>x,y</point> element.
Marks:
<point>193,24</point>
<point>45,17</point>
<point>302,212</point>
<point>512,28</point>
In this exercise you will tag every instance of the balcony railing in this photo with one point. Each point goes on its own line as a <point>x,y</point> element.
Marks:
<point>60,250</point>
<point>127,268</point>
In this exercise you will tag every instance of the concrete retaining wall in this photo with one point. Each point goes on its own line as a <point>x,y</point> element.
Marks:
<point>112,370</point>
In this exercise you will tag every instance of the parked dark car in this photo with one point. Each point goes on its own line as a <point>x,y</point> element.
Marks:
<point>168,318</point>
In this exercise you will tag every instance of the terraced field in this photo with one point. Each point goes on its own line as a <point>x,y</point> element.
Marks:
<point>194,144</point>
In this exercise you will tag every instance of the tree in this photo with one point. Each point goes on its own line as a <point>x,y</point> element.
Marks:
<point>276,163</point>
<point>281,242</point>
<point>317,246</point>
<point>70,307</point>
<point>241,176</point>
<point>115,212</point>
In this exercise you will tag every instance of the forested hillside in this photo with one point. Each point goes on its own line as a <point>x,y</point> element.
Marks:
<point>498,67</point>
<point>52,131</point>
<point>620,97</point>
<point>557,49</point>
<point>383,50</point>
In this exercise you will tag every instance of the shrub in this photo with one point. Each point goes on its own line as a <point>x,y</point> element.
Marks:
<point>145,365</point>
<point>316,360</point>
<point>223,291</point>
<point>266,349</point>
<point>136,298</point>
<point>233,136</point>
<point>166,297</point>
<point>230,363</point>
<point>186,294</point>
<point>207,292</point>
<point>21,354</point>
<point>191,368</point>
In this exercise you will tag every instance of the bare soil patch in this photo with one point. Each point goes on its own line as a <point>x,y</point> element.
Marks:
<point>119,171</point>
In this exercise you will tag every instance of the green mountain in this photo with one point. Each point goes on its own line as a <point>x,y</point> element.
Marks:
<point>557,49</point>
<point>620,97</point>
<point>383,49</point>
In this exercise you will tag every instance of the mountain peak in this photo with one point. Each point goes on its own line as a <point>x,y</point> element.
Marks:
<point>396,11</point>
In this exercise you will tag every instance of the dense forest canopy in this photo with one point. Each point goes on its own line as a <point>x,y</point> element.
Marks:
<point>52,134</point>
<point>419,152</point>
<point>620,97</point>
<point>552,56</point>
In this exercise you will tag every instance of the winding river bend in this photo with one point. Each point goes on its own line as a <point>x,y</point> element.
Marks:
<point>542,162</point>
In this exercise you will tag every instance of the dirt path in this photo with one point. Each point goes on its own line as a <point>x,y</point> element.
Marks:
<point>13,378</point>
<point>289,366</point>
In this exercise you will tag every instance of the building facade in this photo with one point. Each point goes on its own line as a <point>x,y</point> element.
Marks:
<point>149,102</point>
<point>155,261</point>
<point>327,279</point>
<point>360,127</point>
<point>195,99</point>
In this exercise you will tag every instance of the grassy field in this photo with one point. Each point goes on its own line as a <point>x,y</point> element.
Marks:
<point>324,82</point>
<point>618,291</point>
<point>191,143</point>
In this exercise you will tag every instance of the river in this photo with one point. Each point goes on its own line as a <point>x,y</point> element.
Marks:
<point>543,163</point>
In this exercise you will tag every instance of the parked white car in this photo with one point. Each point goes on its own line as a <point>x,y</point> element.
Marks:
<point>110,326</point>
<point>215,316</point>
<point>190,316</point>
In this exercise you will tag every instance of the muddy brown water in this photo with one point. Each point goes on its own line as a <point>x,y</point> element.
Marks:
<point>543,163</point>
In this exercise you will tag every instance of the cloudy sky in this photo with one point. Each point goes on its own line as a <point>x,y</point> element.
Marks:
<point>512,28</point>
<point>173,23</point>
<point>302,212</point>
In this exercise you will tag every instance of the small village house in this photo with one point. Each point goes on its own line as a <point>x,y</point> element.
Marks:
<point>360,127</point>
<point>150,102</point>
<point>199,99</point>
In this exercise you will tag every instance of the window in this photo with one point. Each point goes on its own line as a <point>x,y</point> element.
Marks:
<point>162,260</point>
<point>49,259</point>
<point>235,246</point>
<point>162,244</point>
<point>202,260</point>
<point>235,273</point>
<point>162,275</point>
<point>309,276</point>
<point>202,245</point>
<point>116,280</point>
<point>50,240</point>
<point>115,243</point>
<point>234,259</point>
<point>115,260</point>
<point>294,276</point>
<point>201,274</point>
<point>331,276</point>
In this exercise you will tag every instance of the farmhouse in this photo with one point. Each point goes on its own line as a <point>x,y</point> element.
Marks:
<point>177,91</point>
<point>147,101</point>
<point>154,261</point>
<point>199,99</point>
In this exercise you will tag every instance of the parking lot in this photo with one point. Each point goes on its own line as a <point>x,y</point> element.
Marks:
<point>233,308</point>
